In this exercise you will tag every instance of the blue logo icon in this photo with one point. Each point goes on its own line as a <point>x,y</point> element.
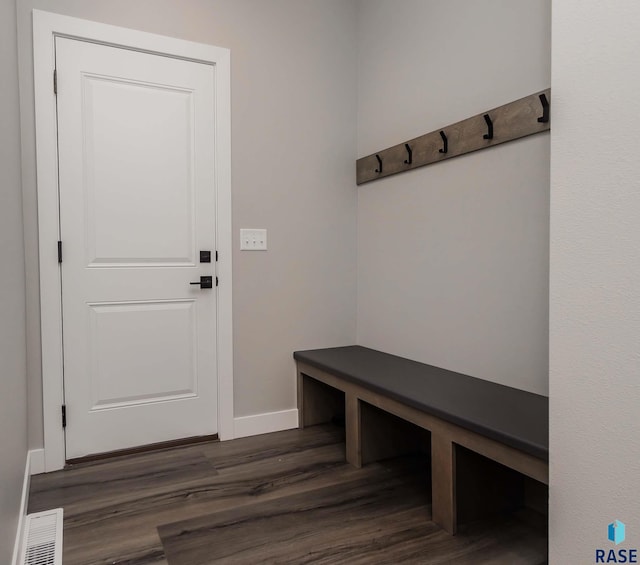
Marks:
<point>616,532</point>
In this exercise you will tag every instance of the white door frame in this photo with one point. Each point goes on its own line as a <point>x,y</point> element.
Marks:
<point>46,27</point>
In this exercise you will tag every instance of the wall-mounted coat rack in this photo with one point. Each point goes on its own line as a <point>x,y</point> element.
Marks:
<point>511,121</point>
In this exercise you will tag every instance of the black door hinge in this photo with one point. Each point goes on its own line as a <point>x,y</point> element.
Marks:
<point>64,416</point>
<point>55,81</point>
<point>59,252</point>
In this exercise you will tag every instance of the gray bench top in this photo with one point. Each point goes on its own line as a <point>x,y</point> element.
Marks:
<point>514,417</point>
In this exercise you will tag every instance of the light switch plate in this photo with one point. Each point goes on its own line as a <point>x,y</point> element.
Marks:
<point>253,240</point>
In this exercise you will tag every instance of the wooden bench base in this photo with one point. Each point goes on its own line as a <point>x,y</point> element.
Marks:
<point>322,395</point>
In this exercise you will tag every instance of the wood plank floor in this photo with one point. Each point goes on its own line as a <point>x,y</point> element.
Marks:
<point>287,497</point>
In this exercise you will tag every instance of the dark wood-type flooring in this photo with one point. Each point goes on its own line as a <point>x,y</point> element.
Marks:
<point>287,497</point>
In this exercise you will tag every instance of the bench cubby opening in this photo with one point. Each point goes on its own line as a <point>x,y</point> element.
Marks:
<point>323,404</point>
<point>385,436</point>
<point>486,488</point>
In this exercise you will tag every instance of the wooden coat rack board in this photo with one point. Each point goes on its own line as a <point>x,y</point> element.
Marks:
<point>516,119</point>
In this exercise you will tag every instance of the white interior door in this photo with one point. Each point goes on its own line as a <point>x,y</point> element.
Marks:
<point>137,205</point>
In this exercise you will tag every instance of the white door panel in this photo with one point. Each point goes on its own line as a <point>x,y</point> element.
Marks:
<point>154,342</point>
<point>137,204</point>
<point>125,185</point>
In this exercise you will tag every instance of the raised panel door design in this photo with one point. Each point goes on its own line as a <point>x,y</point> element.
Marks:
<point>138,164</point>
<point>137,204</point>
<point>142,352</point>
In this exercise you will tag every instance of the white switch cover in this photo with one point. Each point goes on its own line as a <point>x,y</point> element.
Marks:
<point>253,240</point>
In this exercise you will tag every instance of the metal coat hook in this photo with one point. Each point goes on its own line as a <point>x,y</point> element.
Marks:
<point>490,126</point>
<point>410,152</point>
<point>545,109</point>
<point>379,169</point>
<point>445,141</point>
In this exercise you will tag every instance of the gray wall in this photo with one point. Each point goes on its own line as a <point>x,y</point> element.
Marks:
<point>293,151</point>
<point>13,403</point>
<point>595,278</point>
<point>453,258</point>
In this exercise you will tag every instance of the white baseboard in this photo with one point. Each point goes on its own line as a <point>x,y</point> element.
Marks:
<point>37,461</point>
<point>265,423</point>
<point>24,501</point>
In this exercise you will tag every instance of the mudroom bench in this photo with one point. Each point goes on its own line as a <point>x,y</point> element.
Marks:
<point>460,414</point>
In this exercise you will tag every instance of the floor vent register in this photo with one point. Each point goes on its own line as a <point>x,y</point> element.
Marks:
<point>42,542</point>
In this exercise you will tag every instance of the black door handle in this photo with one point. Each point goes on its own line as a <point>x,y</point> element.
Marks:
<point>204,282</point>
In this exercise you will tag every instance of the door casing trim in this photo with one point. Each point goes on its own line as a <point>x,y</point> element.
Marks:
<point>46,27</point>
